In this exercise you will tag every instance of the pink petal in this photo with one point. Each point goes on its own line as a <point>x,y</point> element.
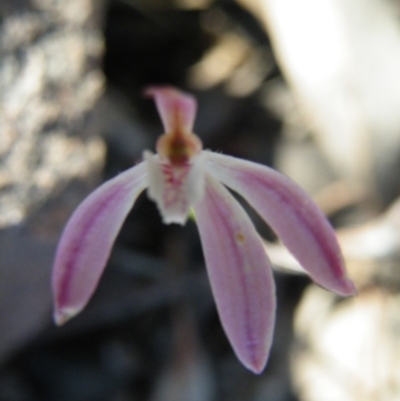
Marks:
<point>87,240</point>
<point>292,214</point>
<point>177,109</point>
<point>240,274</point>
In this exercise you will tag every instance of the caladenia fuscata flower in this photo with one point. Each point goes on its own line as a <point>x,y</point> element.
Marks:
<point>182,176</point>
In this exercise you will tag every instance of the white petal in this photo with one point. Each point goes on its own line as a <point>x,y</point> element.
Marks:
<point>155,177</point>
<point>174,189</point>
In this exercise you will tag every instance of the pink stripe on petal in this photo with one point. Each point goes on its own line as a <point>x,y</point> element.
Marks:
<point>177,109</point>
<point>292,214</point>
<point>240,274</point>
<point>87,240</point>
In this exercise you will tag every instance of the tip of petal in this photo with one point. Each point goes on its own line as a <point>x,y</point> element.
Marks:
<point>61,316</point>
<point>154,90</point>
<point>150,91</point>
<point>342,286</point>
<point>255,358</point>
<point>348,288</point>
<point>257,368</point>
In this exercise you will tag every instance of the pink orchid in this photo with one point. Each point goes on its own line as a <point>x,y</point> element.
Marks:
<point>182,176</point>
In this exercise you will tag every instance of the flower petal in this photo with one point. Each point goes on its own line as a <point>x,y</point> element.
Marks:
<point>291,213</point>
<point>87,240</point>
<point>240,274</point>
<point>174,189</point>
<point>177,109</point>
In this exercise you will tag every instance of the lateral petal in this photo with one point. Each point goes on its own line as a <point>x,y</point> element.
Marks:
<point>240,274</point>
<point>87,240</point>
<point>291,213</point>
<point>176,108</point>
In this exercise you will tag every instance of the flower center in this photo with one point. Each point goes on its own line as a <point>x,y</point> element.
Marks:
<point>178,147</point>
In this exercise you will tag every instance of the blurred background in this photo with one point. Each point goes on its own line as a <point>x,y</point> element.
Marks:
<point>309,87</point>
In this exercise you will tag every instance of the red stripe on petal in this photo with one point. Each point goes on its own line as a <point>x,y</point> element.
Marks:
<point>292,214</point>
<point>240,275</point>
<point>87,240</point>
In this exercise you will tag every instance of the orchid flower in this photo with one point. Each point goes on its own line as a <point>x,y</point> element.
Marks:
<point>182,176</point>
